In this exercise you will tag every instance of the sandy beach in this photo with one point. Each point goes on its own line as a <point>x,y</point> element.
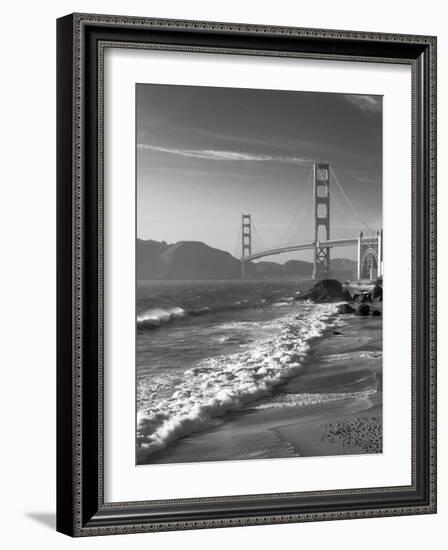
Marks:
<point>332,407</point>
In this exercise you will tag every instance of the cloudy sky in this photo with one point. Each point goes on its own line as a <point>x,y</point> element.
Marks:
<point>207,155</point>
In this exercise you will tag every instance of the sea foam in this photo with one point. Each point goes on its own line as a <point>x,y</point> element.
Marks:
<point>228,382</point>
<point>307,399</point>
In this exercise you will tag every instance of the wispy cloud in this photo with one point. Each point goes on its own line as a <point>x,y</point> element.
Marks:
<point>367,103</point>
<point>216,154</point>
<point>167,220</point>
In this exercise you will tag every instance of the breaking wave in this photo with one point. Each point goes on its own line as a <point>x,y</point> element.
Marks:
<point>227,382</point>
<point>156,317</point>
<point>159,316</point>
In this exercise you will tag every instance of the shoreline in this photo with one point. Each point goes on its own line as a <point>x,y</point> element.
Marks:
<point>332,407</point>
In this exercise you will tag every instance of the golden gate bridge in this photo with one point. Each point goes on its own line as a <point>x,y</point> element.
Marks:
<point>368,243</point>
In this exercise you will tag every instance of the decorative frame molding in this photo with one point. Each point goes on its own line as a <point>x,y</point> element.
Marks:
<point>82,39</point>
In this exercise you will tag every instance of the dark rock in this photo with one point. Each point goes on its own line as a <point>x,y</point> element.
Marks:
<point>346,295</point>
<point>377,293</point>
<point>332,287</point>
<point>326,290</point>
<point>362,298</point>
<point>363,310</point>
<point>345,308</point>
<point>375,313</point>
<point>337,332</point>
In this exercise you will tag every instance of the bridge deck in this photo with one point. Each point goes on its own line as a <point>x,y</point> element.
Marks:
<point>309,246</point>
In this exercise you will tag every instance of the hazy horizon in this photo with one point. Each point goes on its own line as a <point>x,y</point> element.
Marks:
<point>207,155</point>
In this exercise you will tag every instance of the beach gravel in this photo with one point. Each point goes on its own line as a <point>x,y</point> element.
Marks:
<point>365,434</point>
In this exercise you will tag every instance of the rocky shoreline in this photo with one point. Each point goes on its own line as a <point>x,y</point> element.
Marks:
<point>362,299</point>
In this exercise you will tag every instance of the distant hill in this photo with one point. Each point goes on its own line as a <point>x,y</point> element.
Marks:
<point>184,260</point>
<point>193,260</point>
<point>343,268</point>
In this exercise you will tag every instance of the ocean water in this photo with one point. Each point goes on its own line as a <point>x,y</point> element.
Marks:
<point>205,349</point>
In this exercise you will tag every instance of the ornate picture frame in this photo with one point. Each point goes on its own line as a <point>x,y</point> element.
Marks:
<point>81,506</point>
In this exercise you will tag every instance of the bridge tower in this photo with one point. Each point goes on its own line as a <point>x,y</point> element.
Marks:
<point>370,256</point>
<point>246,239</point>
<point>321,195</point>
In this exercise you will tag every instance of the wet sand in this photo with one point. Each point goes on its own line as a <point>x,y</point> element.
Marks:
<point>339,392</point>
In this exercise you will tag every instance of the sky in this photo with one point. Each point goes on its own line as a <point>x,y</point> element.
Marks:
<point>206,155</point>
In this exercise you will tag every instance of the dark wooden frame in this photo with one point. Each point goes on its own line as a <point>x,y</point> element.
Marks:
<point>81,39</point>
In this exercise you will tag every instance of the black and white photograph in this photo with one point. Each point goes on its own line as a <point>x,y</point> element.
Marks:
<point>259,272</point>
<point>230,199</point>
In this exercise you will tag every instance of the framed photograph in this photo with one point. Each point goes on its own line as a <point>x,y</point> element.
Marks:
<point>246,274</point>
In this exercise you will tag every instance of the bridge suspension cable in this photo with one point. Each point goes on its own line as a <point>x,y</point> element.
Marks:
<point>257,240</point>
<point>336,202</point>
<point>349,202</point>
<point>303,208</point>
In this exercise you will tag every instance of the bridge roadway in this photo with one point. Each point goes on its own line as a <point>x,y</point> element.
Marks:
<point>310,246</point>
